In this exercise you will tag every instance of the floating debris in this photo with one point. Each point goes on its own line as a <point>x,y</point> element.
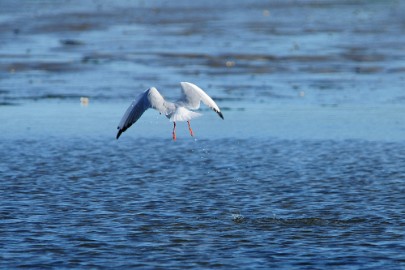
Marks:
<point>84,101</point>
<point>237,218</point>
<point>230,63</point>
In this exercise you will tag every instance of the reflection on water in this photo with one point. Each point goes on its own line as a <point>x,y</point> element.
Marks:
<point>220,203</point>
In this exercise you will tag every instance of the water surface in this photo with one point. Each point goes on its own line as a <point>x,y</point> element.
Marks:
<point>306,170</point>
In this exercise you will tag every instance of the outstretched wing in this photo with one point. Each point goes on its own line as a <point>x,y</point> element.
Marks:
<point>151,98</point>
<point>193,95</point>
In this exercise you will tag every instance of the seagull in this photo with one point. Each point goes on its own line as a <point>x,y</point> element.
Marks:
<point>177,111</point>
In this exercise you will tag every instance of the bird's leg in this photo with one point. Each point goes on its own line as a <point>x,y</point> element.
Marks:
<point>174,131</point>
<point>189,128</point>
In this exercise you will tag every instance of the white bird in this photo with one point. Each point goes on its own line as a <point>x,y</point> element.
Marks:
<point>191,97</point>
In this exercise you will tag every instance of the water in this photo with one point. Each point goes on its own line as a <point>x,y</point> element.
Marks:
<point>306,170</point>
<point>210,204</point>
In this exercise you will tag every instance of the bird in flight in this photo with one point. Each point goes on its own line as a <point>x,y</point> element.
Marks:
<point>180,110</point>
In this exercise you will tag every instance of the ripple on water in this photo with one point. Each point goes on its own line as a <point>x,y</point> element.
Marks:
<point>229,203</point>
<point>225,203</point>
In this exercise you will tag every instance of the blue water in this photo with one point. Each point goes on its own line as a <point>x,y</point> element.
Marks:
<point>305,172</point>
<point>208,204</point>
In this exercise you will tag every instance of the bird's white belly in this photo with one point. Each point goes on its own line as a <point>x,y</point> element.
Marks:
<point>182,114</point>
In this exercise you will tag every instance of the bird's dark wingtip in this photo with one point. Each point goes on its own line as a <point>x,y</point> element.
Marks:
<point>119,133</point>
<point>220,115</point>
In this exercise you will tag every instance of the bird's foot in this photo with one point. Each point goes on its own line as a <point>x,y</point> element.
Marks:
<point>174,131</point>
<point>189,128</point>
